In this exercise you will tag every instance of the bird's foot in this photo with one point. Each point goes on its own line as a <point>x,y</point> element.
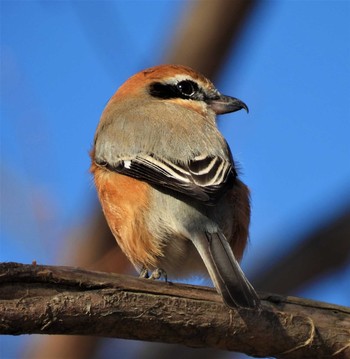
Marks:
<point>144,273</point>
<point>158,273</point>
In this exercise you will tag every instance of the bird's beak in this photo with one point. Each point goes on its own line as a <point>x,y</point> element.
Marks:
<point>225,104</point>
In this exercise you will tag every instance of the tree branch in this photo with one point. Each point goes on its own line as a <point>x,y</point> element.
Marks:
<point>207,32</point>
<point>66,300</point>
<point>329,242</point>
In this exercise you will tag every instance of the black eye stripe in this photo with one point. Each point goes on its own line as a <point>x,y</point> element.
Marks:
<point>185,89</point>
<point>163,91</point>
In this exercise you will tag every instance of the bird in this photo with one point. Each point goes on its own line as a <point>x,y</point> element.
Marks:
<point>168,184</point>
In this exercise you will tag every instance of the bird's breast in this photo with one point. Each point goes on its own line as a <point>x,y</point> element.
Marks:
<point>125,202</point>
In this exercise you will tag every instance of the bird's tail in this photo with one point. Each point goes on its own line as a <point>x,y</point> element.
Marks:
<point>225,271</point>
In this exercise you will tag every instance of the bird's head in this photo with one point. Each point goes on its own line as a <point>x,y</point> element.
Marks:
<point>180,85</point>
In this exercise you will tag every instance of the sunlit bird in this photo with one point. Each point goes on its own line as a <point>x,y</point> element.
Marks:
<point>167,181</point>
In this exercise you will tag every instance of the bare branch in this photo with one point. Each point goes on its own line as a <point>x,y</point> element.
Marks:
<point>207,32</point>
<point>65,300</point>
<point>329,242</point>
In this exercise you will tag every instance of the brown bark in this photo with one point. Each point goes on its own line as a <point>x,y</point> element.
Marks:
<point>65,300</point>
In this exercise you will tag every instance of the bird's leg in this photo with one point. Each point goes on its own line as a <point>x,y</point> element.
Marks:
<point>144,273</point>
<point>158,273</point>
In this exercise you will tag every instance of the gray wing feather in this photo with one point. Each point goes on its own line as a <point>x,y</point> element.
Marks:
<point>204,177</point>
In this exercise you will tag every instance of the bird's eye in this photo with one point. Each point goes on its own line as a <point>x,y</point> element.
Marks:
<point>187,88</point>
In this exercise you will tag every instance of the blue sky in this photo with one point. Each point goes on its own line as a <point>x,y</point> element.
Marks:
<point>62,60</point>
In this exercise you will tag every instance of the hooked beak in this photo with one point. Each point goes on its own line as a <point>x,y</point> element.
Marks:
<point>226,104</point>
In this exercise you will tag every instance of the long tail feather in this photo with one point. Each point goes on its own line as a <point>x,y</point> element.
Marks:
<point>225,271</point>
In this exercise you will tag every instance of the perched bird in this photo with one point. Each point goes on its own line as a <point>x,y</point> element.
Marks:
<point>167,181</point>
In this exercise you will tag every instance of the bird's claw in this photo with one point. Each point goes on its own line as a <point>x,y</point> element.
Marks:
<point>144,273</point>
<point>158,273</point>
